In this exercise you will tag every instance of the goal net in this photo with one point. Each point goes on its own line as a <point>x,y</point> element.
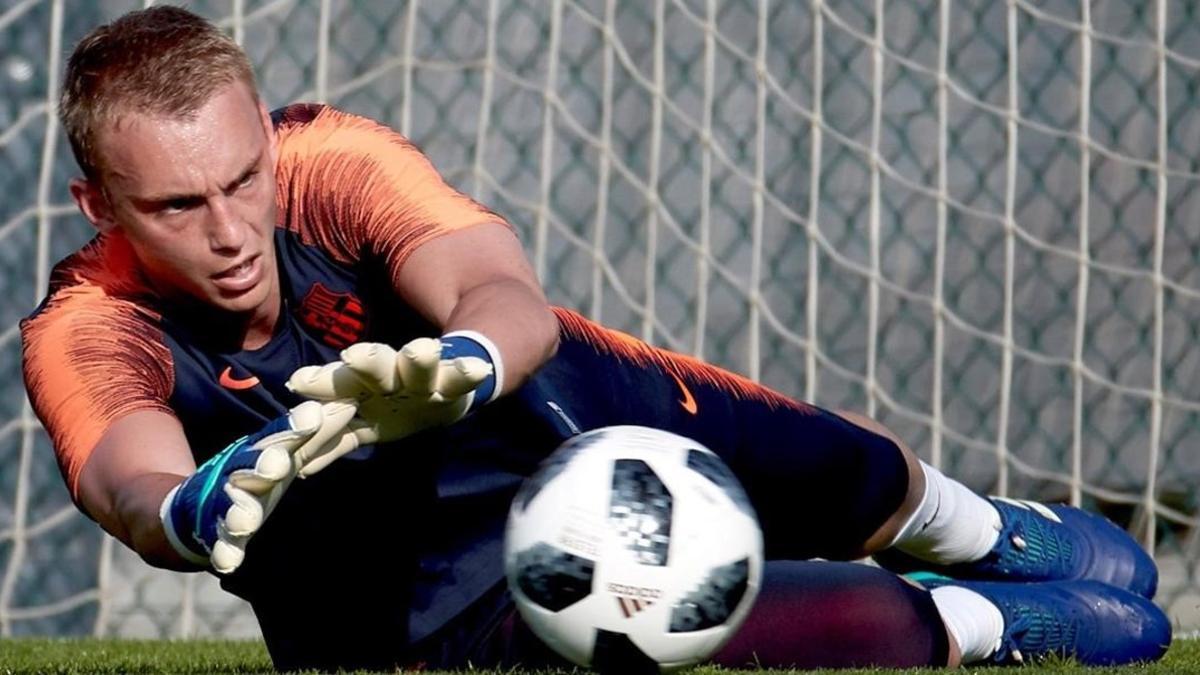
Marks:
<point>977,221</point>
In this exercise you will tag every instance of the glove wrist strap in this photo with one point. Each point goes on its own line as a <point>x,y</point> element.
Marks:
<point>166,514</point>
<point>471,343</point>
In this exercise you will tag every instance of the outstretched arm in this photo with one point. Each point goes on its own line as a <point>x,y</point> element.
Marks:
<point>141,484</point>
<point>474,281</point>
<point>356,187</point>
<point>478,279</point>
<point>141,458</point>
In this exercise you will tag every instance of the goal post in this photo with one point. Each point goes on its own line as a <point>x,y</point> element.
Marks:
<point>973,220</point>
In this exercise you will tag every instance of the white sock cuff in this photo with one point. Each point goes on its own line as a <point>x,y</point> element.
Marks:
<point>974,622</point>
<point>952,523</point>
<point>923,512</point>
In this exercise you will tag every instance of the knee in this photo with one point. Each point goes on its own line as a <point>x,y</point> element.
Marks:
<point>838,615</point>
<point>913,476</point>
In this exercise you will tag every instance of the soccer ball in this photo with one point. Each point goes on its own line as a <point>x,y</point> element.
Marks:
<point>633,549</point>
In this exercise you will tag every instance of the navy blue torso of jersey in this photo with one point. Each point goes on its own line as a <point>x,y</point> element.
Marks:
<point>407,537</point>
<point>327,306</point>
<point>433,505</point>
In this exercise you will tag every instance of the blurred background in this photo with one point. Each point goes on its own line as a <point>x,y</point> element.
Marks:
<point>974,220</point>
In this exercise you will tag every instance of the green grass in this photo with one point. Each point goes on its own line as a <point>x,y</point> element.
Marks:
<point>229,656</point>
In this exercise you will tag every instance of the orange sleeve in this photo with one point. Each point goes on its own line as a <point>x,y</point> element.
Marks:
<point>88,360</point>
<point>355,187</point>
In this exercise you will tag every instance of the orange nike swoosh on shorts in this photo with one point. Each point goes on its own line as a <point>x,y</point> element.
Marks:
<point>689,401</point>
<point>227,380</point>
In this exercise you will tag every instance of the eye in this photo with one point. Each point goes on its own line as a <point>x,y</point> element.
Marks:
<point>247,180</point>
<point>175,206</point>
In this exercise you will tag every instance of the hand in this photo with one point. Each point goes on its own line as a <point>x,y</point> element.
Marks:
<point>397,393</point>
<point>211,515</point>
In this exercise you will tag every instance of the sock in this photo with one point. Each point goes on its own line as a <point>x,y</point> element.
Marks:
<point>975,623</point>
<point>951,525</point>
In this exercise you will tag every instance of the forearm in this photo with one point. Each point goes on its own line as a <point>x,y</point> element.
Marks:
<point>516,319</point>
<point>135,520</point>
<point>477,279</point>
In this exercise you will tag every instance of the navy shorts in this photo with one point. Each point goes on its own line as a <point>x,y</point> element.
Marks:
<point>821,485</point>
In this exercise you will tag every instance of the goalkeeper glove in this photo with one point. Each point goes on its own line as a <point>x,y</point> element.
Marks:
<point>429,382</point>
<point>211,515</point>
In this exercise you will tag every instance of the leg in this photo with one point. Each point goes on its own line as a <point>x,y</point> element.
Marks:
<point>887,533</point>
<point>834,486</point>
<point>823,485</point>
<point>838,615</point>
<point>808,615</point>
<point>813,614</point>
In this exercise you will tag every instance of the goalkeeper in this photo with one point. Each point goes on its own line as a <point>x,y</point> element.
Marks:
<point>300,294</point>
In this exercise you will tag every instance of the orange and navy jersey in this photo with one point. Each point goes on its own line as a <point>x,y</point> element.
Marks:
<point>354,200</point>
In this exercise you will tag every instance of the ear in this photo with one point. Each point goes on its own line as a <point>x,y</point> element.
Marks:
<point>264,117</point>
<point>93,203</point>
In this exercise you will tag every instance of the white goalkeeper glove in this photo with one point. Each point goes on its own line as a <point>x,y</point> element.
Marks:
<point>211,515</point>
<point>429,382</point>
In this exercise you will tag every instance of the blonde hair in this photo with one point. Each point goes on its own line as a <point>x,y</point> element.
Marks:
<point>163,60</point>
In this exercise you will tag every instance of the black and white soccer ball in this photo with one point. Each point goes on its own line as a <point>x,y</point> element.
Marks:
<point>633,549</point>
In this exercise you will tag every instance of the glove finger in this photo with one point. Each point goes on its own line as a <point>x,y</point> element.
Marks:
<point>228,552</point>
<point>274,466</point>
<point>271,498</point>
<point>330,440</point>
<point>323,455</point>
<point>461,375</point>
<point>330,382</point>
<point>335,416</point>
<point>366,433</point>
<point>252,483</point>
<point>417,364</point>
<point>301,422</point>
<point>313,382</point>
<point>245,515</point>
<point>375,365</point>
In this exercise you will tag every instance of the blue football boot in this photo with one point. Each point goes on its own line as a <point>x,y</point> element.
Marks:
<point>1091,622</point>
<point>1040,542</point>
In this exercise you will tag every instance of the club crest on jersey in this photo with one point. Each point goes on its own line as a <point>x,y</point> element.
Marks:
<point>337,318</point>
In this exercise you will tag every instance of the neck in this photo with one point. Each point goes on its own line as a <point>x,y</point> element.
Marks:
<point>259,329</point>
<point>228,331</point>
<point>260,323</point>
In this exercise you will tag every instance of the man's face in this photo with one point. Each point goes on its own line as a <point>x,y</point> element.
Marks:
<point>195,197</point>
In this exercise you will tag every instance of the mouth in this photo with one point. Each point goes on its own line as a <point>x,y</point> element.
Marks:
<point>240,277</point>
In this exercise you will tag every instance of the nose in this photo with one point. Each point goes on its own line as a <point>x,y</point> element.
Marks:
<point>227,230</point>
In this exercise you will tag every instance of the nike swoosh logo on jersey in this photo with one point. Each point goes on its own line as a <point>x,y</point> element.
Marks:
<point>689,401</point>
<point>228,381</point>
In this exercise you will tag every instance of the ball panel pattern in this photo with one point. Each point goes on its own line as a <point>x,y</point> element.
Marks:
<point>711,467</point>
<point>616,653</point>
<point>553,578</point>
<point>714,600</point>
<point>640,511</point>
<point>552,466</point>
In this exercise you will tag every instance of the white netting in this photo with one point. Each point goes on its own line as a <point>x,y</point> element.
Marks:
<point>975,220</point>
